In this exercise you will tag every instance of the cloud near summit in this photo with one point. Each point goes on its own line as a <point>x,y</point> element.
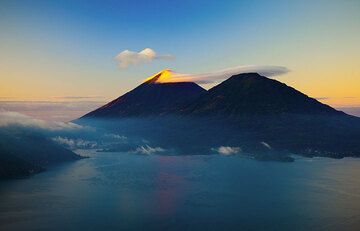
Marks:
<point>220,75</point>
<point>127,57</point>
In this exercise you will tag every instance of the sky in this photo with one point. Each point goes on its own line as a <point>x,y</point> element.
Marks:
<point>70,51</point>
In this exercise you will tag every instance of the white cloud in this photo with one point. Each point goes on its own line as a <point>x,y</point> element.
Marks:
<point>9,118</point>
<point>75,143</point>
<point>127,57</point>
<point>148,150</point>
<point>266,145</point>
<point>115,136</point>
<point>268,71</point>
<point>226,150</point>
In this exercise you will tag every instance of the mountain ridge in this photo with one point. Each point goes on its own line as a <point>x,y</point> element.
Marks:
<point>244,111</point>
<point>247,93</point>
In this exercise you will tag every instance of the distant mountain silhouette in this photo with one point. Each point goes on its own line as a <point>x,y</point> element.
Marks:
<point>253,94</point>
<point>243,94</point>
<point>150,98</point>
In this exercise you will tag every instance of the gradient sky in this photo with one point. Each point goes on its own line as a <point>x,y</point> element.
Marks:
<point>64,50</point>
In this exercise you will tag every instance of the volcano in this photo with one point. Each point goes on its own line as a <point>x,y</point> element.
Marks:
<point>244,94</point>
<point>151,98</point>
<point>253,94</point>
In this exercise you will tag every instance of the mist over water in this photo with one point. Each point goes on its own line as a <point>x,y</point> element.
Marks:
<point>128,191</point>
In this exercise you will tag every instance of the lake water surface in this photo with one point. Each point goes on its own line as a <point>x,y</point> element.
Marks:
<point>123,191</point>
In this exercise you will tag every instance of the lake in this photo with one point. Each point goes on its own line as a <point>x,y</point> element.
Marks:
<point>124,191</point>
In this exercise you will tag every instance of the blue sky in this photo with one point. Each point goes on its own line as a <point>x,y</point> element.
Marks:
<point>66,48</point>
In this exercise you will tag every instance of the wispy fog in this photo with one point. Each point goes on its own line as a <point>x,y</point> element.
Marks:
<point>51,111</point>
<point>350,110</point>
<point>147,150</point>
<point>75,143</point>
<point>74,136</point>
<point>8,118</point>
<point>226,150</point>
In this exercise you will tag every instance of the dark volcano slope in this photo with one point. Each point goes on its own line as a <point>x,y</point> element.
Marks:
<point>150,99</point>
<point>253,94</point>
<point>265,110</point>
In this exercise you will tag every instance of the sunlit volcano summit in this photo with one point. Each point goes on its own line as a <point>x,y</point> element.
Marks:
<point>160,77</point>
<point>168,76</point>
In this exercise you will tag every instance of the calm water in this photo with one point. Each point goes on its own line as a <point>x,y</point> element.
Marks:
<point>119,191</point>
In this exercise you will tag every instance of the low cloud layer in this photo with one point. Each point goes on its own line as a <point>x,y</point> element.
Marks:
<point>147,150</point>
<point>351,110</point>
<point>70,97</point>
<point>127,57</point>
<point>75,143</point>
<point>50,111</point>
<point>216,76</point>
<point>226,150</point>
<point>8,118</point>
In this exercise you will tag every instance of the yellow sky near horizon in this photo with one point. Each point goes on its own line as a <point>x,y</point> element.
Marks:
<point>338,89</point>
<point>57,52</point>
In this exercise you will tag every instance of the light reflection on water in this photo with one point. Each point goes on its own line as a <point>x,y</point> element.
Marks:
<point>120,191</point>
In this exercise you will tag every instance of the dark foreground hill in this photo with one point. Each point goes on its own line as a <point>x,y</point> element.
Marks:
<point>263,117</point>
<point>23,153</point>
